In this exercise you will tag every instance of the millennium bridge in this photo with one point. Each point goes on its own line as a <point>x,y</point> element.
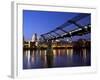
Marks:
<point>63,31</point>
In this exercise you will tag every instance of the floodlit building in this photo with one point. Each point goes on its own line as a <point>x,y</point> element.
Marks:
<point>34,37</point>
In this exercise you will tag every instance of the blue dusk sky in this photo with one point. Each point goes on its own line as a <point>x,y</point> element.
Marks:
<point>41,22</point>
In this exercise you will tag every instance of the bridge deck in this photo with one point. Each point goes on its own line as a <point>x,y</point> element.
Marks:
<point>77,31</point>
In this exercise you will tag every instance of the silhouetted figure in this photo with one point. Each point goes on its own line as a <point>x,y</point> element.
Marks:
<point>49,55</point>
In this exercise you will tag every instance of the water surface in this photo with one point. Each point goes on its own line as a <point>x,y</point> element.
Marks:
<point>33,59</point>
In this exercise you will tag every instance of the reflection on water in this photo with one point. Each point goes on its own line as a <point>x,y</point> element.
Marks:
<point>57,58</point>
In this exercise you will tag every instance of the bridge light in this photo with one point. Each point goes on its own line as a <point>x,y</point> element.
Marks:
<point>76,30</point>
<point>86,27</point>
<point>89,25</point>
<point>70,33</point>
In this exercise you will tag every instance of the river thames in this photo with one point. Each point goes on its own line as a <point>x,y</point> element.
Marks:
<point>34,59</point>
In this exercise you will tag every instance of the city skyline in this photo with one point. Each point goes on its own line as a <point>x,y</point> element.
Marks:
<point>41,22</point>
<point>65,39</point>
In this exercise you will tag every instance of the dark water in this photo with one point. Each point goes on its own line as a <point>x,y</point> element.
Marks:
<point>59,58</point>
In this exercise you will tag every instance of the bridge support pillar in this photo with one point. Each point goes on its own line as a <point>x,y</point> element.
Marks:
<point>49,55</point>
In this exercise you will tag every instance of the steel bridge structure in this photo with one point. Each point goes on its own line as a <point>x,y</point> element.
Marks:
<point>79,28</point>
